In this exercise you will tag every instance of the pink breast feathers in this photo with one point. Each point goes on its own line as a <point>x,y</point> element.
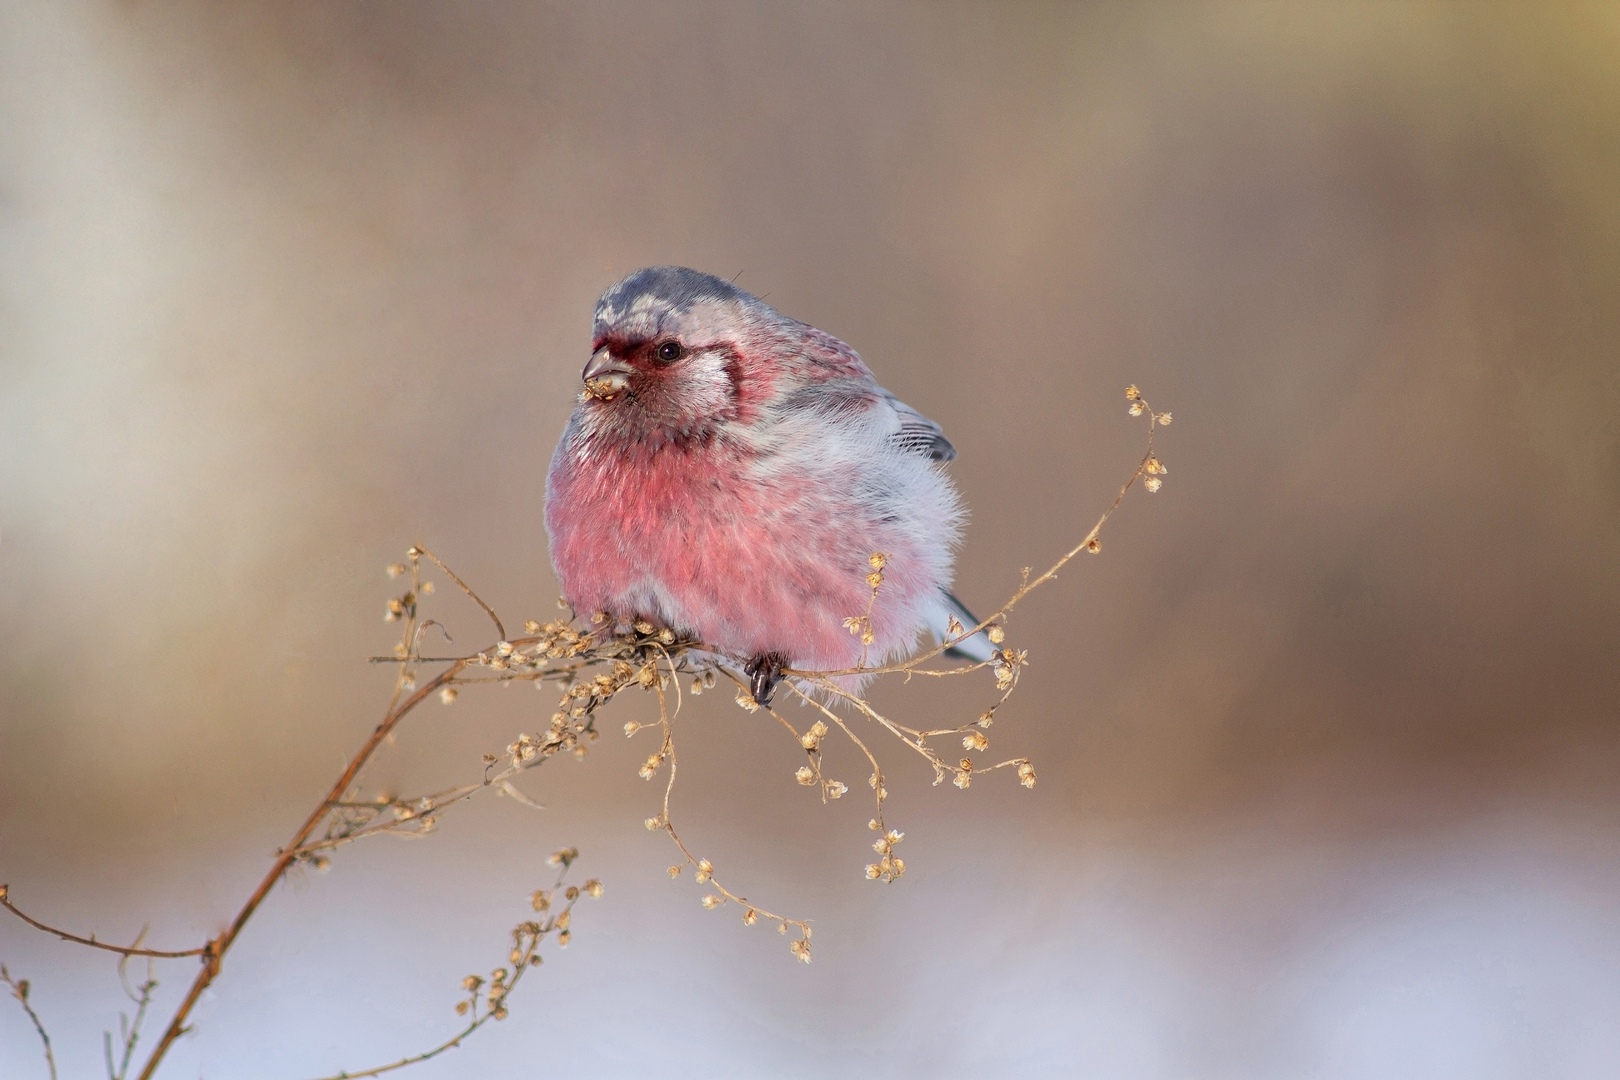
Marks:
<point>749,564</point>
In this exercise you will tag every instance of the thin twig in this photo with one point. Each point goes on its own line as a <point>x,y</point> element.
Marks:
<point>219,946</point>
<point>494,618</point>
<point>161,954</point>
<point>527,941</point>
<point>704,870</point>
<point>19,990</point>
<point>129,1030</point>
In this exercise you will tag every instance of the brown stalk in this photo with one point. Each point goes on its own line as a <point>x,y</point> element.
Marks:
<point>122,950</point>
<point>214,952</point>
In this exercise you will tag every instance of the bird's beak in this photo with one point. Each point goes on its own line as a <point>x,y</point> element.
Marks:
<point>605,377</point>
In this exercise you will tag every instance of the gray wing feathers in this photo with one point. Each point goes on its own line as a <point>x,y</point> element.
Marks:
<point>919,435</point>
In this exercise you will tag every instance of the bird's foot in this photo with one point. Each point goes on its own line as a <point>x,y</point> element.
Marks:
<point>764,672</point>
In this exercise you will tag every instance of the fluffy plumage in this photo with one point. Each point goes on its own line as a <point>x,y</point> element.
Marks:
<point>728,473</point>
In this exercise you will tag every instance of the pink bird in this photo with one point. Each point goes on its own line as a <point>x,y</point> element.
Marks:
<point>729,473</point>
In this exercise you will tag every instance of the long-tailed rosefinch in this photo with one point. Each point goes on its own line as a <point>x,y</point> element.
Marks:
<point>738,476</point>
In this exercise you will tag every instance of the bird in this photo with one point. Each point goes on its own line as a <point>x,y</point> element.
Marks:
<point>739,477</point>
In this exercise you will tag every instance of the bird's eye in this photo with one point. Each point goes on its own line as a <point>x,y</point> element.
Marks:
<point>670,351</point>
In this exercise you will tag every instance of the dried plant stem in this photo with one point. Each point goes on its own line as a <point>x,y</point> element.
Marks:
<point>704,875</point>
<point>19,990</point>
<point>122,950</point>
<point>451,574</point>
<point>129,1030</point>
<point>527,938</point>
<point>216,949</point>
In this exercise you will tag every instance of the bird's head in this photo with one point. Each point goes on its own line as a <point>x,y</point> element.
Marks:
<point>670,355</point>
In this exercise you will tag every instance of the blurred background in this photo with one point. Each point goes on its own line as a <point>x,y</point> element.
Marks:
<point>1326,737</point>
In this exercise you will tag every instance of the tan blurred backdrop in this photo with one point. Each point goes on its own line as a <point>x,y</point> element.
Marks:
<point>1327,736</point>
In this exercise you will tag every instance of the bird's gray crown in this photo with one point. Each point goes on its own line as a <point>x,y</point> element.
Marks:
<point>662,290</point>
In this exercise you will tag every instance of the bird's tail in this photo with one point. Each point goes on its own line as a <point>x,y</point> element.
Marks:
<point>977,648</point>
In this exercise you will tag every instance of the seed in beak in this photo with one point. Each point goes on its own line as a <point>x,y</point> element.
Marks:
<point>605,377</point>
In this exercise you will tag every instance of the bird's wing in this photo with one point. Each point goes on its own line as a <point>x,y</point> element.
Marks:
<point>840,381</point>
<point>918,434</point>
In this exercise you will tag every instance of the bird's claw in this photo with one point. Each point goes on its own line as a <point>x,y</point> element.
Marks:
<point>764,672</point>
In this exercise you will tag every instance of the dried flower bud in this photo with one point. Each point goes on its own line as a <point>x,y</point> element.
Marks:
<point>1094,545</point>
<point>675,871</point>
<point>805,776</point>
<point>836,789</point>
<point>878,560</point>
<point>712,901</point>
<point>750,917</point>
<point>975,740</point>
<point>448,694</point>
<point>396,569</point>
<point>1163,418</point>
<point>1153,483</point>
<point>995,633</point>
<point>1135,409</point>
<point>1026,774</point>
<point>1132,393</point>
<point>593,888</point>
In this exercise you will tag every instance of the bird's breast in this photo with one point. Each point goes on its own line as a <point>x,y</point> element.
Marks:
<point>750,553</point>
